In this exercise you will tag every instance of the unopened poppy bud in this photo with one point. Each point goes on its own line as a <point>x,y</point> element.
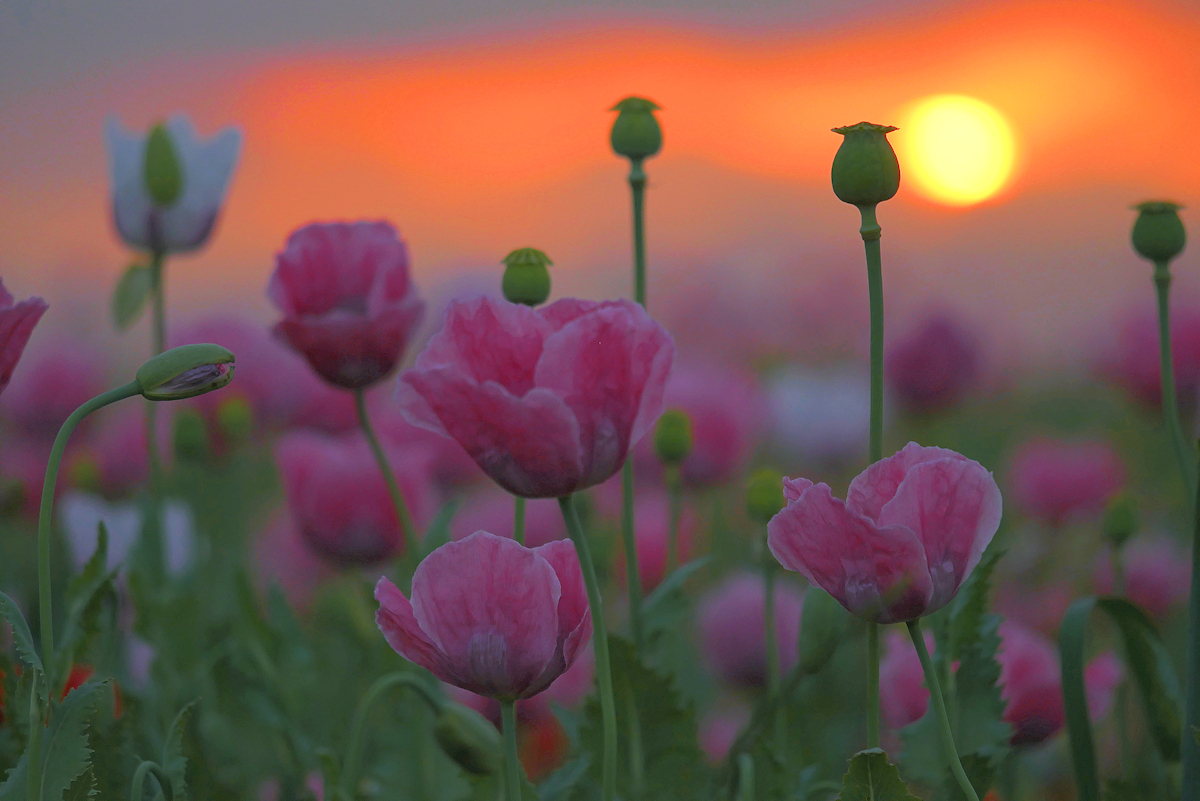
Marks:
<point>526,279</point>
<point>636,133</point>
<point>185,372</point>
<point>820,629</point>
<point>469,739</point>
<point>673,436</point>
<point>1158,233</point>
<point>83,473</point>
<point>764,495</point>
<point>1121,519</point>
<point>190,436</point>
<point>160,167</point>
<point>865,169</point>
<point>235,418</point>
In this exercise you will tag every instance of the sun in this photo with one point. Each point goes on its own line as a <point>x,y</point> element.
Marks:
<point>956,149</point>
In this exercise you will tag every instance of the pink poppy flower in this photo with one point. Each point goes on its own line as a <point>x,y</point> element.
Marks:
<point>339,500</point>
<point>912,528</point>
<point>54,379</point>
<point>1131,360</point>
<point>450,465</point>
<point>492,510</point>
<point>17,321</point>
<point>733,636</point>
<point>727,411</point>
<point>491,616</point>
<point>1157,574</point>
<point>547,401</point>
<point>568,690</point>
<point>348,304</point>
<point>1054,480</point>
<point>935,366</point>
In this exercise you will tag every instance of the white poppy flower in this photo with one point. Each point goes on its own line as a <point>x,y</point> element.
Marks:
<point>185,224</point>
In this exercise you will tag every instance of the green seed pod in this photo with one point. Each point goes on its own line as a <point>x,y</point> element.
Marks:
<point>636,133</point>
<point>1158,233</point>
<point>764,495</point>
<point>235,418</point>
<point>469,739</point>
<point>189,435</point>
<point>1121,519</point>
<point>161,169</point>
<point>865,169</point>
<point>820,629</point>
<point>185,372</point>
<point>673,436</point>
<point>526,279</point>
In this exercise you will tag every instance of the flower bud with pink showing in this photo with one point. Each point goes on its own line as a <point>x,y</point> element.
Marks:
<point>732,633</point>
<point>490,615</point>
<point>912,528</point>
<point>349,306</point>
<point>935,366</point>
<point>547,401</point>
<point>1157,574</point>
<point>492,510</point>
<point>339,499</point>
<point>1055,480</point>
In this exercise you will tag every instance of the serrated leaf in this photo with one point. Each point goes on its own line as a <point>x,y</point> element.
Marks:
<point>65,749</point>
<point>16,784</point>
<point>83,787</point>
<point>872,778</point>
<point>671,584</point>
<point>130,295</point>
<point>86,594</point>
<point>22,637</point>
<point>174,762</point>
<point>968,608</point>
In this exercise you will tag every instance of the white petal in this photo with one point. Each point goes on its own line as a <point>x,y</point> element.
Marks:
<point>132,205</point>
<point>81,516</point>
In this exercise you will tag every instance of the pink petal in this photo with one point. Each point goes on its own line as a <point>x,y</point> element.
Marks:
<point>793,488</point>
<point>872,488</point>
<point>529,445</point>
<point>489,340</point>
<point>491,607</point>
<point>16,326</point>
<point>574,617</point>
<point>953,505</point>
<point>877,573</point>
<point>401,630</point>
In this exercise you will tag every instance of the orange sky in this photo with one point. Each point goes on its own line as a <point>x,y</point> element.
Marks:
<point>478,147</point>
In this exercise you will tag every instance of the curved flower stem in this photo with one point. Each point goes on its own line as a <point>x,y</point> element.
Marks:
<point>519,519</point>
<point>358,729</point>
<point>675,500</point>
<point>512,762</point>
<point>148,768</point>
<point>407,530</point>
<point>604,682</point>
<point>939,709</point>
<point>870,232</point>
<point>1184,453</point>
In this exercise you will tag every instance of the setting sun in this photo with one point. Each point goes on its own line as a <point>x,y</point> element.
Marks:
<point>957,150</point>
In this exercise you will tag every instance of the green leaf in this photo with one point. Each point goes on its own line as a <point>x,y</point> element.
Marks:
<point>558,785</point>
<point>86,596</point>
<point>872,778</point>
<point>65,749</point>
<point>21,634</point>
<point>83,787</point>
<point>132,290</point>
<point>16,785</point>
<point>670,585</point>
<point>174,762</point>
<point>968,608</point>
<point>1150,668</point>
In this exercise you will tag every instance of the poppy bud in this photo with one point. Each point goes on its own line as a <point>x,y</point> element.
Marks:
<point>673,436</point>
<point>526,279</point>
<point>865,169</point>
<point>1158,233</point>
<point>469,739</point>
<point>1121,519</point>
<point>820,629</point>
<point>235,418</point>
<point>160,167</point>
<point>636,133</point>
<point>185,372</point>
<point>764,495</point>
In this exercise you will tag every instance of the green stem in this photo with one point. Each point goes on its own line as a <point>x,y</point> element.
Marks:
<point>37,722</point>
<point>407,530</point>
<point>637,184</point>
<point>939,708</point>
<point>870,232</point>
<point>633,581</point>
<point>745,765</point>
<point>512,762</point>
<point>675,502</point>
<point>1122,697</point>
<point>144,770</point>
<point>768,573</point>
<point>1184,453</point>
<point>1191,717</point>
<point>358,729</point>
<point>519,519</point>
<point>604,682</point>
<point>153,534</point>
<point>637,757</point>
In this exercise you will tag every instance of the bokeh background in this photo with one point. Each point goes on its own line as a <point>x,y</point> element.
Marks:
<point>478,127</point>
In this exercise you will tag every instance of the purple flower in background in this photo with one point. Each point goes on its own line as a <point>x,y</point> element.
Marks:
<point>935,366</point>
<point>733,637</point>
<point>1055,480</point>
<point>1157,573</point>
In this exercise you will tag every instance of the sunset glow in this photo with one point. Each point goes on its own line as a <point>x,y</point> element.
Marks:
<point>960,150</point>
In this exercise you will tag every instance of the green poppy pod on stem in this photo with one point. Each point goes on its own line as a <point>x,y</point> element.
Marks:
<point>865,168</point>
<point>1121,519</point>
<point>1158,233</point>
<point>526,279</point>
<point>764,495</point>
<point>636,133</point>
<point>673,436</point>
<point>161,169</point>
<point>469,739</point>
